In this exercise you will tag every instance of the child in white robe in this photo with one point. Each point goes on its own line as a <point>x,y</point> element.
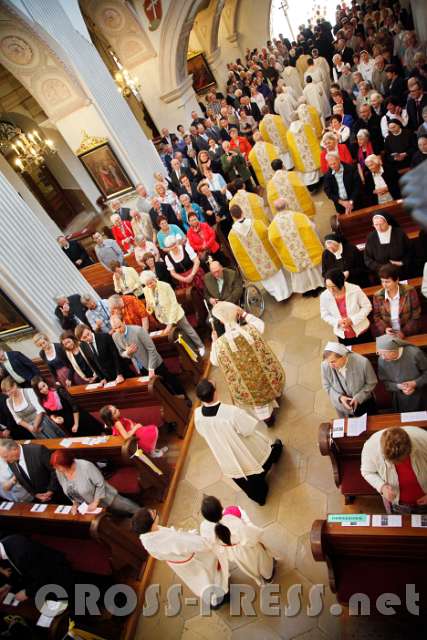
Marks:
<point>237,540</point>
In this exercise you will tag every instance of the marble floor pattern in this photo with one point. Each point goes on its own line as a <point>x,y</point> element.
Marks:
<point>301,490</point>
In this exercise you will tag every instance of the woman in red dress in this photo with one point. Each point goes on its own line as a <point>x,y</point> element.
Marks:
<point>122,232</point>
<point>126,428</point>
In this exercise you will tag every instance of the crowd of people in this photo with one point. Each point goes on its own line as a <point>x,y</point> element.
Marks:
<point>344,109</point>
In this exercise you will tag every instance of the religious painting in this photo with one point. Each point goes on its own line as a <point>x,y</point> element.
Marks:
<point>12,322</point>
<point>202,75</point>
<point>106,171</point>
<point>153,11</point>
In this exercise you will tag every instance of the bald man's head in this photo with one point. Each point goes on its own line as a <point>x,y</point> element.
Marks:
<point>280,204</point>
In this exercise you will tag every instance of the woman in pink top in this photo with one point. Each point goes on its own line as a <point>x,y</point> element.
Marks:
<point>126,428</point>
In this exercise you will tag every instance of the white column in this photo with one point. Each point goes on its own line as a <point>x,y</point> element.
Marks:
<point>33,269</point>
<point>125,133</point>
<point>419,13</point>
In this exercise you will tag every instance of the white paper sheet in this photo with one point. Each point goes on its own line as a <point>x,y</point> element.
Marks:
<point>387,521</point>
<point>44,621</point>
<point>108,385</point>
<point>6,506</point>
<point>338,428</point>
<point>413,416</point>
<point>63,509</point>
<point>419,520</point>
<point>66,442</point>
<point>356,426</point>
<point>83,509</point>
<point>94,385</point>
<point>153,334</point>
<point>9,598</point>
<point>144,379</point>
<point>39,508</point>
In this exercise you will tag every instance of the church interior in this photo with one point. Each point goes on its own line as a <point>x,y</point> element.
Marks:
<point>213,319</point>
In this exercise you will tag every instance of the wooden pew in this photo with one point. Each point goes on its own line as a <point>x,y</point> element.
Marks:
<point>369,350</point>
<point>135,393</point>
<point>345,453</point>
<point>111,537</point>
<point>120,453</point>
<point>357,225</point>
<point>100,278</point>
<point>372,560</point>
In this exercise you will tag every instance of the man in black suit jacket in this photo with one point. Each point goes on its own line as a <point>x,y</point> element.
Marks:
<point>124,212</point>
<point>168,138</point>
<point>372,122</point>
<point>396,85</point>
<point>101,353</point>
<point>212,130</point>
<point>34,565</point>
<point>201,141</point>
<point>162,209</point>
<point>75,252</point>
<point>224,131</point>
<point>215,207</point>
<point>250,108</point>
<point>30,464</point>
<point>349,199</point>
<point>70,310</point>
<point>18,366</point>
<point>417,100</point>
<point>177,171</point>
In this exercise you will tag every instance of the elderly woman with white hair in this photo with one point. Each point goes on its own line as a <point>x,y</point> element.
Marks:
<point>183,264</point>
<point>349,380</point>
<point>122,232</point>
<point>167,196</point>
<point>161,301</point>
<point>330,144</point>
<point>254,375</point>
<point>382,182</point>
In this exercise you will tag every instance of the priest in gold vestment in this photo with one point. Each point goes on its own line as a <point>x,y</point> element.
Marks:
<point>254,375</point>
<point>255,256</point>
<point>288,185</point>
<point>251,204</point>
<point>297,244</point>
<point>273,130</point>
<point>261,156</point>
<point>305,149</point>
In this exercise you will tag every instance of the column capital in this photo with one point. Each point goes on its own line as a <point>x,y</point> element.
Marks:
<point>185,87</point>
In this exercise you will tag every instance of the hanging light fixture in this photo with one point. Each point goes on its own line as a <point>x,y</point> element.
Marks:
<point>31,150</point>
<point>127,84</point>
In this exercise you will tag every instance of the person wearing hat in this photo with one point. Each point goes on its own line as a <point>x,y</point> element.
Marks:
<point>387,244</point>
<point>399,146</point>
<point>349,380</point>
<point>394,462</point>
<point>254,375</point>
<point>402,367</point>
<point>341,254</point>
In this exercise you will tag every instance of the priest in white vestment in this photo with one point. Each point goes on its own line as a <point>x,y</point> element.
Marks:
<point>313,71</point>
<point>316,96</point>
<point>187,554</point>
<point>239,442</point>
<point>292,79</point>
<point>284,106</point>
<point>236,539</point>
<point>256,257</point>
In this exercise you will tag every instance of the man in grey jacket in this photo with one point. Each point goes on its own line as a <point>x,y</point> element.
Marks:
<point>134,342</point>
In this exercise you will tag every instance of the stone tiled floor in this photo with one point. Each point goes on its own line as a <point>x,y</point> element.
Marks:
<point>301,489</point>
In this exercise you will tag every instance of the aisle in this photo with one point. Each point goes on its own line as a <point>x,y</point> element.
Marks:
<point>301,488</point>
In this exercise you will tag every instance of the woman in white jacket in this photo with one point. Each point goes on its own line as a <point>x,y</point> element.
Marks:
<point>235,539</point>
<point>346,308</point>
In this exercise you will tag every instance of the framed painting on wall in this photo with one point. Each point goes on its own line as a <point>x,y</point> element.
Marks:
<point>202,75</point>
<point>106,171</point>
<point>12,322</point>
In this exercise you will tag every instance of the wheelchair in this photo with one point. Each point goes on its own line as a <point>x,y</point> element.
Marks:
<point>252,300</point>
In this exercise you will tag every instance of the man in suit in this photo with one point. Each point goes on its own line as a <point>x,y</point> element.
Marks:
<point>222,284</point>
<point>417,100</point>
<point>33,565</point>
<point>372,122</point>
<point>342,184</point>
<point>215,207</point>
<point>30,465</point>
<point>135,343</point>
<point>212,130</point>
<point>161,209</point>
<point>101,353</point>
<point>201,141</point>
<point>176,174</point>
<point>18,366</point>
<point>166,155</point>
<point>224,132</point>
<point>168,138</point>
<point>395,85</point>
<point>74,251</point>
<point>70,310</point>
<point>250,108</point>
<point>124,212</point>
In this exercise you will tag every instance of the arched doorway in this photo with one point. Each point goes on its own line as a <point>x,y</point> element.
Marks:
<point>50,181</point>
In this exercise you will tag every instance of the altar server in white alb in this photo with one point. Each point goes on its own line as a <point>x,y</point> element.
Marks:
<point>187,554</point>
<point>239,442</point>
<point>236,540</point>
